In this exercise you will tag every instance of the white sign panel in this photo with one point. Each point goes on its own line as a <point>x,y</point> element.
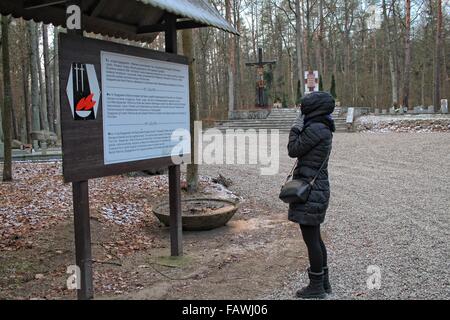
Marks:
<point>145,108</point>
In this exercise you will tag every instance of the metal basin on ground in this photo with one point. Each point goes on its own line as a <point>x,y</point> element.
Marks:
<point>200,213</point>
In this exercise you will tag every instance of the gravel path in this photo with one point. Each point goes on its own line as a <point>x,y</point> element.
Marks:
<point>389,208</point>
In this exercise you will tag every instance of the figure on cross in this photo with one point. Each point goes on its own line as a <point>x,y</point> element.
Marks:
<point>261,85</point>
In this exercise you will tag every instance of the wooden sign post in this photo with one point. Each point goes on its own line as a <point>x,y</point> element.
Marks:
<point>176,231</point>
<point>97,138</point>
<point>81,213</point>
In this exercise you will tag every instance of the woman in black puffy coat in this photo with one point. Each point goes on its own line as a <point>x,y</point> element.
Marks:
<point>310,141</point>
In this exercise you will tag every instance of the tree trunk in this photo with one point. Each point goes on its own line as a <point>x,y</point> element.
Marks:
<point>321,35</point>
<point>56,84</point>
<point>422,87</point>
<point>203,61</point>
<point>299,45</point>
<point>26,95</point>
<point>192,168</point>
<point>308,42</point>
<point>231,59</point>
<point>237,54</point>
<point>391,51</point>
<point>407,71</point>
<point>34,70</point>
<point>7,102</point>
<point>48,81</point>
<point>42,92</point>
<point>375,73</point>
<point>15,125</point>
<point>438,58</point>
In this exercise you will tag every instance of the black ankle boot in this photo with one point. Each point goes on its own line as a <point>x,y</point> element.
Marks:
<point>315,289</point>
<point>326,281</point>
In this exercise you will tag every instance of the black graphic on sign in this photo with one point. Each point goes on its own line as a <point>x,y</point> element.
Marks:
<point>83,91</point>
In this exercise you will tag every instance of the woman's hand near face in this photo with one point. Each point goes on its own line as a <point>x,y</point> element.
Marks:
<point>299,122</point>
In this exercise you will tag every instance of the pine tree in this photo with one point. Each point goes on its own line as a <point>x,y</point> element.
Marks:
<point>299,92</point>
<point>7,100</point>
<point>333,87</point>
<point>285,103</point>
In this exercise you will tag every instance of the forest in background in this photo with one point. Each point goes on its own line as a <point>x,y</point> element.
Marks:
<point>399,58</point>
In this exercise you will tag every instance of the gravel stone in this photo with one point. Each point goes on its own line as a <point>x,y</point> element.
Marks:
<point>390,208</point>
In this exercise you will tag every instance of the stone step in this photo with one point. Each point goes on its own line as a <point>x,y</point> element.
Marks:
<point>257,121</point>
<point>265,126</point>
<point>278,119</point>
<point>282,130</point>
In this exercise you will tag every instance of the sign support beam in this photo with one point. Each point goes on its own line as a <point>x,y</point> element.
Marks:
<point>176,233</point>
<point>81,217</point>
<point>83,252</point>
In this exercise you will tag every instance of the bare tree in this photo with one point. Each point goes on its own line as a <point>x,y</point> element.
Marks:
<point>299,45</point>
<point>192,168</point>
<point>7,101</point>
<point>56,84</point>
<point>391,52</point>
<point>48,80</point>
<point>231,62</point>
<point>407,70</point>
<point>26,83</point>
<point>438,58</point>
<point>34,70</point>
<point>42,92</point>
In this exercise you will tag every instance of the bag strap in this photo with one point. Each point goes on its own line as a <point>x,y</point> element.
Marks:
<point>320,169</point>
<point>317,174</point>
<point>292,171</point>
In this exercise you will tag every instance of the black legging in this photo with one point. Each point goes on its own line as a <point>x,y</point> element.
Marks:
<point>317,251</point>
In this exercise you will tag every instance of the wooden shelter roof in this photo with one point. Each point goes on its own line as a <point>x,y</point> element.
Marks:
<point>136,20</point>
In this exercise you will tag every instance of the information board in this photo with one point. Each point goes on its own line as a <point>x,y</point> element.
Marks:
<point>144,102</point>
<point>121,107</point>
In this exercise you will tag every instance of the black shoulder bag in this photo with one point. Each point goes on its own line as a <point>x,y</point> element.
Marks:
<point>297,191</point>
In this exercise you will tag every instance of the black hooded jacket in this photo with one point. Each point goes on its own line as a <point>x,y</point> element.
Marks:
<point>311,146</point>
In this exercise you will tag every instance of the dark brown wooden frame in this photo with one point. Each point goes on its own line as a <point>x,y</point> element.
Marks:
<point>82,145</point>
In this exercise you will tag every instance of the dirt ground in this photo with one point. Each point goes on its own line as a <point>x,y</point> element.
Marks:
<point>248,258</point>
<point>375,216</point>
<point>242,260</point>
